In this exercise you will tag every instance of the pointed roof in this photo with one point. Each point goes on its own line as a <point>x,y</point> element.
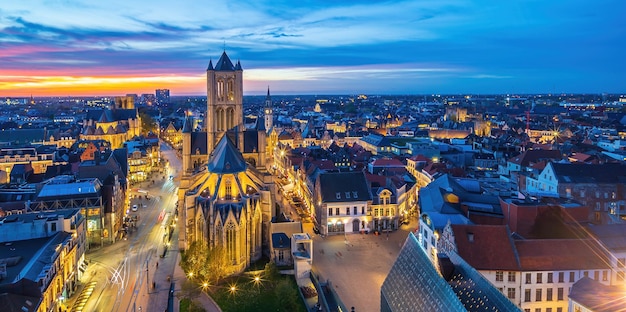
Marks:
<point>224,63</point>
<point>238,66</point>
<point>210,65</point>
<point>187,125</point>
<point>226,158</point>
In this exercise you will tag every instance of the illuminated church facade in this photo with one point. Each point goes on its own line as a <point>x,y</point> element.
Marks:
<point>225,193</point>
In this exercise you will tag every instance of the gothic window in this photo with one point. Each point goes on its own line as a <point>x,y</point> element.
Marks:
<point>231,90</point>
<point>228,189</point>
<point>220,90</point>
<point>231,243</point>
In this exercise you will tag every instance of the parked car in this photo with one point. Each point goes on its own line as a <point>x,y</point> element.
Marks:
<point>134,208</point>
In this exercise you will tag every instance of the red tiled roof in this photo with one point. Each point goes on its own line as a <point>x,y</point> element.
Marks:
<point>561,254</point>
<point>491,249</point>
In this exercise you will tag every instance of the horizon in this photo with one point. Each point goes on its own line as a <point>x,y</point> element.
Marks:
<point>71,48</point>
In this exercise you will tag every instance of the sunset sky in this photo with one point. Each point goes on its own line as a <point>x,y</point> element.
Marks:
<point>113,47</point>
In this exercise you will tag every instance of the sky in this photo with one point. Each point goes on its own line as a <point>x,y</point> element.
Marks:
<point>114,47</point>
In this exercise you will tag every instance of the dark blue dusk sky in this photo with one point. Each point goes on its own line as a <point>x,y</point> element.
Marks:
<point>313,47</point>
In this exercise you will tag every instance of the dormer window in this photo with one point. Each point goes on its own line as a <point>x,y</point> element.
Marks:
<point>348,195</point>
<point>354,194</point>
<point>338,194</point>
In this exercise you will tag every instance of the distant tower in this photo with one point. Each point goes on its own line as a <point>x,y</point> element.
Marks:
<point>269,111</point>
<point>187,129</point>
<point>224,102</point>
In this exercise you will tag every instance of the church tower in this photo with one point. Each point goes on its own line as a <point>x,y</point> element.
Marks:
<point>187,129</point>
<point>269,111</point>
<point>224,102</point>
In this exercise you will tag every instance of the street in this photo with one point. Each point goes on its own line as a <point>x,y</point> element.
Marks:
<point>125,271</point>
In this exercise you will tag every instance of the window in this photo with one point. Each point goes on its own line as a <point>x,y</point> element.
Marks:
<point>362,210</point>
<point>571,277</point>
<point>548,309</point>
<point>537,309</point>
<point>605,276</point>
<point>337,211</point>
<point>510,293</point>
<point>620,275</point>
<point>355,211</point>
<point>539,278</point>
<point>499,276</point>
<point>53,227</point>
<point>596,275</point>
<point>559,309</point>
<point>281,255</point>
<point>526,310</point>
<point>586,274</point>
<point>559,293</point>
<point>330,211</point>
<point>348,211</point>
<point>511,276</point>
<point>550,277</point>
<point>228,189</point>
<point>549,294</point>
<point>347,194</point>
<point>527,295</point>
<point>538,294</point>
<point>338,195</point>
<point>561,277</point>
<point>528,278</point>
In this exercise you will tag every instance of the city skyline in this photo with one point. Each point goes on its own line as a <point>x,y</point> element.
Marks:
<point>392,47</point>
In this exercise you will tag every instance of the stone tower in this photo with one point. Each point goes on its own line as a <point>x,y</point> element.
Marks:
<point>224,102</point>
<point>269,111</point>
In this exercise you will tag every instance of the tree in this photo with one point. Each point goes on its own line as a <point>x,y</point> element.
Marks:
<point>207,264</point>
<point>148,124</point>
<point>286,295</point>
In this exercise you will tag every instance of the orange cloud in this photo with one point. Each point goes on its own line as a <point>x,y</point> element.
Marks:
<point>20,85</point>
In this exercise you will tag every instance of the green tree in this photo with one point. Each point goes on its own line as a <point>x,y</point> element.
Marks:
<point>148,124</point>
<point>286,295</point>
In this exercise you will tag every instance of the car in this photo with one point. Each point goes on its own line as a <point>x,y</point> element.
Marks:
<point>144,206</point>
<point>134,208</point>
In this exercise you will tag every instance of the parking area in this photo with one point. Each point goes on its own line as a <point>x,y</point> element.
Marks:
<point>357,264</point>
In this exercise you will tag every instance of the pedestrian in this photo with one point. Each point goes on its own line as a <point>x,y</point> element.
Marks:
<point>157,264</point>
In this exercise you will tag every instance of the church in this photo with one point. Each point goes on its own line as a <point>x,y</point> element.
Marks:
<point>226,193</point>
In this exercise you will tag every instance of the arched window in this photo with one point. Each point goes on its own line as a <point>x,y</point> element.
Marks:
<point>220,90</point>
<point>231,243</point>
<point>228,189</point>
<point>231,90</point>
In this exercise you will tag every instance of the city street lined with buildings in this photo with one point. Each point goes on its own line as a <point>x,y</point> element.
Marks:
<point>126,271</point>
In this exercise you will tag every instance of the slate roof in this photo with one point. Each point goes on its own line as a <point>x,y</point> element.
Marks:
<point>280,241</point>
<point>491,247</point>
<point>561,255</point>
<point>414,285</point>
<point>187,127</point>
<point>250,141</point>
<point>344,187</point>
<point>590,173</point>
<point>198,142</point>
<point>23,136</point>
<point>225,158</point>
<point>224,63</point>
<point>598,297</point>
<point>613,236</point>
